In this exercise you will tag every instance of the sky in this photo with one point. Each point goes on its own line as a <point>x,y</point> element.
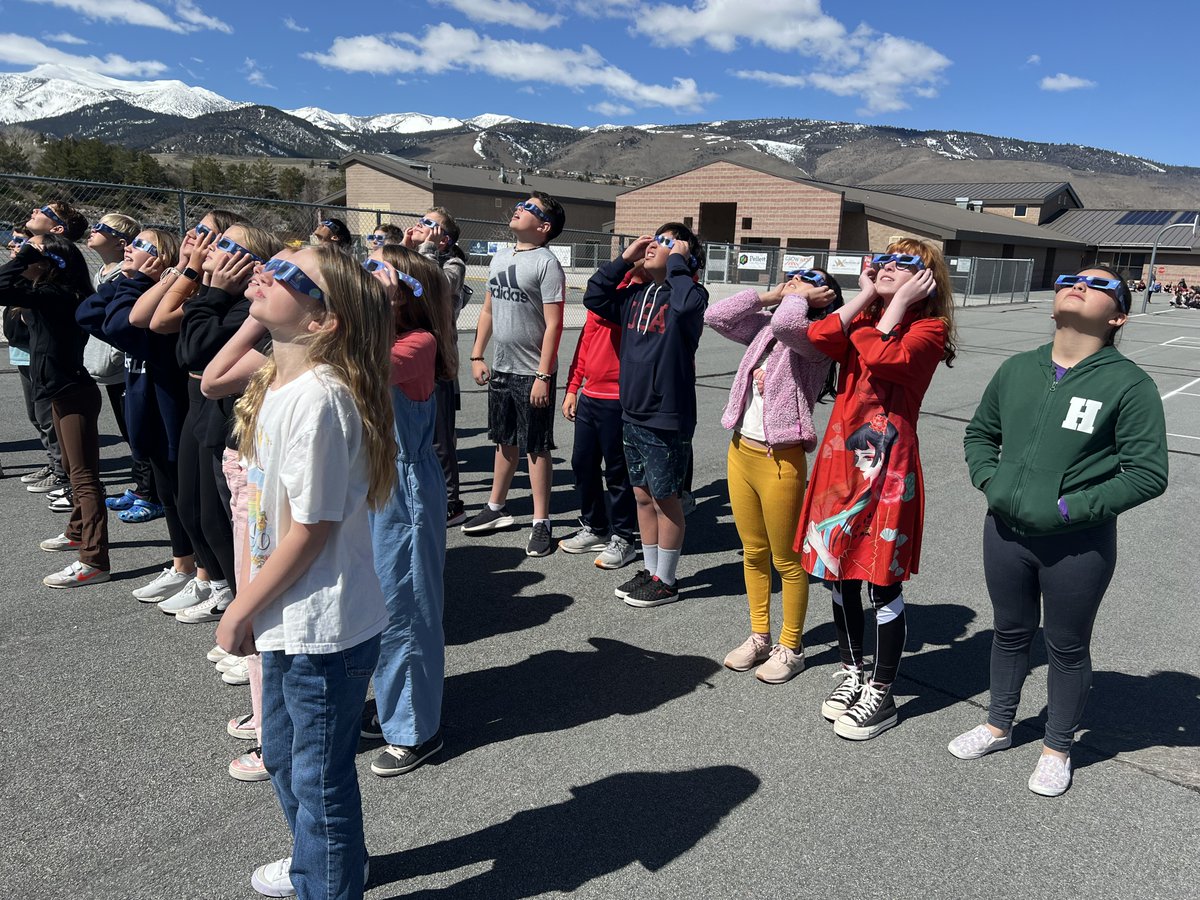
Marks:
<point>1041,71</point>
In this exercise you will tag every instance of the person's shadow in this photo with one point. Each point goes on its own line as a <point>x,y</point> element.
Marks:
<point>561,689</point>
<point>651,818</point>
<point>472,614</point>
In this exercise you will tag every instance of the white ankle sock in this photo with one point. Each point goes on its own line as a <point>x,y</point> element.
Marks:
<point>668,562</point>
<point>495,507</point>
<point>650,557</point>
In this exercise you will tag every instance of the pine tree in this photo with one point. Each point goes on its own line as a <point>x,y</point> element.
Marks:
<point>207,175</point>
<point>291,183</point>
<point>12,158</point>
<point>263,179</point>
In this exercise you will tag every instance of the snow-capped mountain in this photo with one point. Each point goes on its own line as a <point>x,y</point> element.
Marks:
<point>52,90</point>
<point>397,123</point>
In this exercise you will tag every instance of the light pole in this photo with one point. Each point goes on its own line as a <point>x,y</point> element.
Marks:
<point>1154,252</point>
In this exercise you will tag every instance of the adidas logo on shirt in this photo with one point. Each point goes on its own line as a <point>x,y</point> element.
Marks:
<point>503,286</point>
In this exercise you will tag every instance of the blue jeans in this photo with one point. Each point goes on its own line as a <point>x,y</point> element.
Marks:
<point>312,711</point>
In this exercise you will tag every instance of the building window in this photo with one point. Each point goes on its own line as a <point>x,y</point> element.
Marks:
<point>499,202</point>
<point>1020,210</point>
<point>747,223</point>
<point>687,220</point>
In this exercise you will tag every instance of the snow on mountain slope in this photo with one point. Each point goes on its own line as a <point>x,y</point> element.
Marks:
<point>398,123</point>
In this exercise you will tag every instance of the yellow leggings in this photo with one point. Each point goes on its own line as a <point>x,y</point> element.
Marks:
<point>766,494</point>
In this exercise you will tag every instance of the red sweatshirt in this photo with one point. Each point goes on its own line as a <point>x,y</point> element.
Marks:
<point>596,364</point>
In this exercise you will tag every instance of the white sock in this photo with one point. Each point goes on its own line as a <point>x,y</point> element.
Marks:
<point>650,557</point>
<point>545,522</point>
<point>219,583</point>
<point>668,562</point>
<point>495,507</point>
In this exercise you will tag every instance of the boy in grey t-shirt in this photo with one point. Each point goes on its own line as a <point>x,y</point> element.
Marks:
<point>523,310</point>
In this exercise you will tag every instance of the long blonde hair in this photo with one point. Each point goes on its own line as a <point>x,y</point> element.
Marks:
<point>433,311</point>
<point>358,350</point>
<point>941,304</point>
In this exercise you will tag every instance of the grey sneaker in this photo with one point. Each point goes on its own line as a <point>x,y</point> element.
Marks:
<point>540,542</point>
<point>977,742</point>
<point>583,541</point>
<point>47,484</point>
<point>618,553</point>
<point>1052,776</point>
<point>62,542</point>
<point>192,593</point>
<point>489,519</point>
<point>751,652</point>
<point>781,666</point>
<point>31,477</point>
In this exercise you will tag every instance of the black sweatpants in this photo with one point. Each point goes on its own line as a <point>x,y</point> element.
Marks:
<point>1066,577</point>
<point>599,446</point>
<point>41,415</point>
<point>201,509</point>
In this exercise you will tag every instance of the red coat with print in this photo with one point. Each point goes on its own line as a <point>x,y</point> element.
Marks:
<point>865,505</point>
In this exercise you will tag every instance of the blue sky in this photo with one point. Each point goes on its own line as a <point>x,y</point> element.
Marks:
<point>1075,76</point>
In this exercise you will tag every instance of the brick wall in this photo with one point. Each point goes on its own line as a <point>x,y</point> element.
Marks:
<point>372,189</point>
<point>880,234</point>
<point>779,209</point>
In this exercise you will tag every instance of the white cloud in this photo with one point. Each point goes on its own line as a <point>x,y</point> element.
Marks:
<point>775,79</point>
<point>445,48</point>
<point>1033,60</point>
<point>611,109</point>
<point>27,51</point>
<point>504,12</point>
<point>138,12</point>
<point>847,63</point>
<point>255,75</point>
<point>64,37</point>
<point>290,24</point>
<point>1064,82</point>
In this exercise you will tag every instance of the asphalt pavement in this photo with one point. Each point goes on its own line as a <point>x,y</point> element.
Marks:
<point>602,751</point>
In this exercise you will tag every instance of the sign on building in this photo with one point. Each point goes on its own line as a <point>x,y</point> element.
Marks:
<point>794,261</point>
<point>845,265</point>
<point>752,261</point>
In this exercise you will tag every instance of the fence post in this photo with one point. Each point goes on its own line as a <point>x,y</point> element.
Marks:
<point>183,225</point>
<point>971,279</point>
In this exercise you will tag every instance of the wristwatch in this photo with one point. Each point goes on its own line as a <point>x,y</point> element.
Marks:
<point>542,376</point>
<point>190,274</point>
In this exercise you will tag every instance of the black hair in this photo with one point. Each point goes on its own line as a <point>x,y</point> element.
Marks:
<point>829,388</point>
<point>73,273</point>
<point>338,232</point>
<point>555,214</point>
<point>695,248</point>
<point>1124,297</point>
<point>878,434</point>
<point>75,223</point>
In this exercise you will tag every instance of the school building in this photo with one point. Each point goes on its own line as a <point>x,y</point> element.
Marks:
<point>1037,202</point>
<point>1124,238</point>
<point>735,203</point>
<point>379,181</point>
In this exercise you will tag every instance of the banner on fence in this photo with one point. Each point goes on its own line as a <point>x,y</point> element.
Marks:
<point>794,261</point>
<point>563,252</point>
<point>845,265</point>
<point>756,261</point>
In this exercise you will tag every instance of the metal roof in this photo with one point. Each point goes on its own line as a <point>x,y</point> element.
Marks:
<point>944,220</point>
<point>983,191</point>
<point>1100,228</point>
<point>517,183</point>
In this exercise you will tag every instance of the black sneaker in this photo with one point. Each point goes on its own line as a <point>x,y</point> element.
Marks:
<point>455,514</point>
<point>845,695</point>
<point>639,580</point>
<point>394,760</point>
<point>875,712</point>
<point>63,503</point>
<point>540,542</point>
<point>370,728</point>
<point>653,593</point>
<point>489,520</point>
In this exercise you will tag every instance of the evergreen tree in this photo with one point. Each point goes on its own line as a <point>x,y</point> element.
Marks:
<point>237,178</point>
<point>12,158</point>
<point>264,181</point>
<point>207,175</point>
<point>291,183</point>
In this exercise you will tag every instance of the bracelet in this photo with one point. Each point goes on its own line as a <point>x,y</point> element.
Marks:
<point>542,376</point>
<point>171,270</point>
<point>478,359</point>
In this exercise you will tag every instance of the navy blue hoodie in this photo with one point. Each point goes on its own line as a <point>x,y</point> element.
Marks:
<point>155,386</point>
<point>660,334</point>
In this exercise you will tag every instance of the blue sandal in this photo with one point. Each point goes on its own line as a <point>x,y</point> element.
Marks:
<point>142,511</point>
<point>125,501</point>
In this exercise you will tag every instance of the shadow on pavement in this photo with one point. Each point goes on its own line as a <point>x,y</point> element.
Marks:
<point>1126,713</point>
<point>482,583</point>
<point>651,818</point>
<point>561,689</point>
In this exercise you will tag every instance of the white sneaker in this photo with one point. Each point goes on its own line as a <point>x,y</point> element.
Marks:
<point>166,584</point>
<point>239,673</point>
<point>192,593</point>
<point>275,879</point>
<point>62,542</point>
<point>215,655</point>
<point>1052,776</point>
<point>583,541</point>
<point>230,660</point>
<point>977,742</point>
<point>207,610</point>
<point>76,574</point>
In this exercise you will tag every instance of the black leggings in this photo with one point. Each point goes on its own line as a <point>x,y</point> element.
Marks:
<point>166,481</point>
<point>1068,574</point>
<point>201,510</point>
<point>890,626</point>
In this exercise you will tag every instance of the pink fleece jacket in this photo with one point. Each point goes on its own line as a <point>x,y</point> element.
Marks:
<point>795,369</point>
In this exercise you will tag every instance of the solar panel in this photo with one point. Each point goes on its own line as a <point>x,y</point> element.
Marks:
<point>1186,218</point>
<point>1146,217</point>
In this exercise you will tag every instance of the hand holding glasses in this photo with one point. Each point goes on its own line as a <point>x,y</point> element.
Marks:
<point>390,277</point>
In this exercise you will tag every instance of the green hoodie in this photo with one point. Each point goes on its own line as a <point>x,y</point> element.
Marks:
<point>1097,439</point>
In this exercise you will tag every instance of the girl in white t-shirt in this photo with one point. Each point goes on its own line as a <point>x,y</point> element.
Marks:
<point>316,428</point>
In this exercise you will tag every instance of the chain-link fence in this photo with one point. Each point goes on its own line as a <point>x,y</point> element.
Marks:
<point>976,280</point>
